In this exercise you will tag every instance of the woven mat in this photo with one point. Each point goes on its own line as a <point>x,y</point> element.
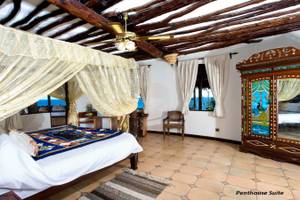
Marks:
<point>129,185</point>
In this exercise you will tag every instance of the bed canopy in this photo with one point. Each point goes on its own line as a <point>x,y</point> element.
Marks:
<point>33,66</point>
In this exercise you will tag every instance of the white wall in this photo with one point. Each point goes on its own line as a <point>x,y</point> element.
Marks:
<point>81,104</point>
<point>35,122</point>
<point>163,95</point>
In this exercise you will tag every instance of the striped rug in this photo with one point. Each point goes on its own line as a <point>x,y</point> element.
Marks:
<point>129,185</point>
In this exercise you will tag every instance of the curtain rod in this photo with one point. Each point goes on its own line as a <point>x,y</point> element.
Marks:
<point>230,56</point>
<point>145,65</point>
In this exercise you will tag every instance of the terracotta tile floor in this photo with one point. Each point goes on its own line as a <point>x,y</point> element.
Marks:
<point>200,169</point>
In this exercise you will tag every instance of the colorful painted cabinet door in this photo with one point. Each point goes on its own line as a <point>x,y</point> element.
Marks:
<point>260,107</point>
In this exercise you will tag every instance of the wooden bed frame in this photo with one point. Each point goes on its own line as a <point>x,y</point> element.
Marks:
<point>52,190</point>
<point>135,121</point>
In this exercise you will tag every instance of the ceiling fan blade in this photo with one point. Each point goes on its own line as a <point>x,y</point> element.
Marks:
<point>158,37</point>
<point>117,27</point>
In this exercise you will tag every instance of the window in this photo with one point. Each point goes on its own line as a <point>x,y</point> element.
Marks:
<point>202,99</point>
<point>45,105</point>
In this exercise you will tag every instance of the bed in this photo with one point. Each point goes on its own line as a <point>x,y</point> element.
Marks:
<point>27,176</point>
<point>288,118</point>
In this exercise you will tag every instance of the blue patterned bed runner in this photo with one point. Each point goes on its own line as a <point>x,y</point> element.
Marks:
<point>57,140</point>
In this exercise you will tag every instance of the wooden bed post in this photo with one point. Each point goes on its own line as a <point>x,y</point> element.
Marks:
<point>67,101</point>
<point>134,161</point>
<point>135,128</point>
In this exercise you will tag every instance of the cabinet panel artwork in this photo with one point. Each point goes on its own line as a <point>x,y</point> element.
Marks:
<point>260,107</point>
<point>271,104</point>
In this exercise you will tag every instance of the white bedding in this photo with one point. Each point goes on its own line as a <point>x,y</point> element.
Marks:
<point>25,176</point>
<point>287,118</point>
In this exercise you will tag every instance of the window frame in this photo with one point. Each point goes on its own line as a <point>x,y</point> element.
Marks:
<point>49,108</point>
<point>201,78</point>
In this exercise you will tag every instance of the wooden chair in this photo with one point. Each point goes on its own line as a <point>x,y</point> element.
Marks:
<point>174,119</point>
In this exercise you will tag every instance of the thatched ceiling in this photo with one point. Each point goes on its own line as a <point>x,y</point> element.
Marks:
<point>198,25</point>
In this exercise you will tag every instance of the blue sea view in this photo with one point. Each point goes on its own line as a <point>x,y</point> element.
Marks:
<point>54,102</point>
<point>207,103</point>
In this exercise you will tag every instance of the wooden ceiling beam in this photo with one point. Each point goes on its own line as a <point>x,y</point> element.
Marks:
<point>94,3</point>
<point>245,38</point>
<point>147,14</point>
<point>97,33</point>
<point>81,35</point>
<point>13,13</point>
<point>90,33</point>
<point>165,21</point>
<point>205,18</point>
<point>103,46</point>
<point>100,38</point>
<point>68,28</point>
<point>41,18</point>
<point>44,4</point>
<point>246,18</point>
<point>58,22</point>
<point>79,10</point>
<point>135,55</point>
<point>185,11</point>
<point>219,45</point>
<point>234,31</point>
<point>68,18</point>
<point>149,48</point>
<point>145,6</point>
<point>97,5</point>
<point>210,31</point>
<point>105,4</point>
<point>135,9</point>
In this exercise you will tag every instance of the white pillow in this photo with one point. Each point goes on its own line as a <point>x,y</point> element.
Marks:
<point>24,142</point>
<point>18,171</point>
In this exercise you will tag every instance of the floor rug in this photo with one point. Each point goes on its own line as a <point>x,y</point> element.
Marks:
<point>130,185</point>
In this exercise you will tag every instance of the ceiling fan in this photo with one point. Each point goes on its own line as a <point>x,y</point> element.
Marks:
<point>125,40</point>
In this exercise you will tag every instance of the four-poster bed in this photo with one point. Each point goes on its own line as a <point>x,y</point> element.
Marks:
<point>27,177</point>
<point>110,83</point>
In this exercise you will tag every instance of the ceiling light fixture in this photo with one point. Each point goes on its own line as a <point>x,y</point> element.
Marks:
<point>125,45</point>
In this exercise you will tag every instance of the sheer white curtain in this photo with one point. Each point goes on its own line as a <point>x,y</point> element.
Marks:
<point>144,72</point>
<point>187,76</point>
<point>288,88</point>
<point>74,92</point>
<point>32,66</point>
<point>112,89</point>
<point>59,93</point>
<point>217,69</point>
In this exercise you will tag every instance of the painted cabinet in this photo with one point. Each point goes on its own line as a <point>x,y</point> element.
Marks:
<point>271,104</point>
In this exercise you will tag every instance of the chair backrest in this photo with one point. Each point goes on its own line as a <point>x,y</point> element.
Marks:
<point>86,118</point>
<point>87,114</point>
<point>175,115</point>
